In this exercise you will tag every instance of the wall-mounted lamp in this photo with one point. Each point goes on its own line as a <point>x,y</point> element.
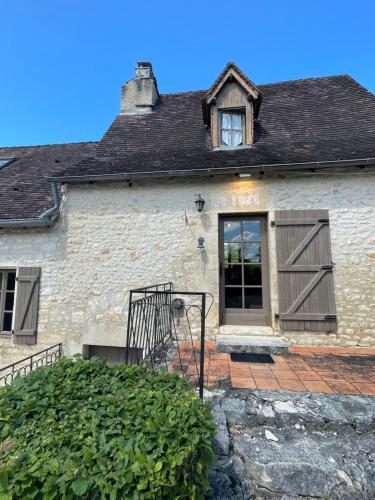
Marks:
<point>200,242</point>
<point>199,202</point>
<point>244,174</point>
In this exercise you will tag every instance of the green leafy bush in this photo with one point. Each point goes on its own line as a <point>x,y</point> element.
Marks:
<point>82,429</point>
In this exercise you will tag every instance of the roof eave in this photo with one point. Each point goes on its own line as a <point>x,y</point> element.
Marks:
<point>210,172</point>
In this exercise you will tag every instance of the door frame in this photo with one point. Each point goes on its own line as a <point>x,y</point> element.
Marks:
<point>266,289</point>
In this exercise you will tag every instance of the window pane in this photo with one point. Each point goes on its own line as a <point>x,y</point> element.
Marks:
<point>9,301</point>
<point>226,120</point>
<point>7,323</point>
<point>236,121</point>
<point>251,230</point>
<point>253,298</point>
<point>233,275</point>
<point>233,298</point>
<point>236,138</point>
<point>226,138</point>
<point>232,231</point>
<point>251,252</point>
<point>11,281</point>
<point>232,253</point>
<point>253,274</point>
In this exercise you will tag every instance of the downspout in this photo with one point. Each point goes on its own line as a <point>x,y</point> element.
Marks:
<point>44,220</point>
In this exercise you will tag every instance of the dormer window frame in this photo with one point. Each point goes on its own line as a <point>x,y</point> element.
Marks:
<point>231,90</point>
<point>231,112</point>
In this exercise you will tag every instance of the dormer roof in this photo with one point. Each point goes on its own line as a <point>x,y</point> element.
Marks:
<point>231,73</point>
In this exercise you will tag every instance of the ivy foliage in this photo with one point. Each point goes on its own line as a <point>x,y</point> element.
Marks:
<point>83,429</point>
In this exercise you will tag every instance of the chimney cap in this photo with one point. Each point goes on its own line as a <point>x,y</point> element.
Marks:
<point>144,64</point>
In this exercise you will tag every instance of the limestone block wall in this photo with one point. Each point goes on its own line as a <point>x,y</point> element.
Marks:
<point>112,237</point>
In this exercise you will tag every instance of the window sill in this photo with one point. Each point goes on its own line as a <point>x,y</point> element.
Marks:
<point>232,148</point>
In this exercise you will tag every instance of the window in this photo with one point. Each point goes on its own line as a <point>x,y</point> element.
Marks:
<point>232,128</point>
<point>7,290</point>
<point>6,161</point>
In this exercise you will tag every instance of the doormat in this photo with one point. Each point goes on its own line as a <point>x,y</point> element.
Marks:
<point>245,357</point>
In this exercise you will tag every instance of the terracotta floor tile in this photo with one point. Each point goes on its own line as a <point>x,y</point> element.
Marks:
<point>355,377</point>
<point>317,386</point>
<point>342,387</point>
<point>193,370</point>
<point>292,385</point>
<point>261,366</point>
<point>281,367</point>
<point>329,375</point>
<point>220,356</point>
<point>307,375</point>
<point>279,359</point>
<point>266,383</point>
<point>240,372</point>
<point>243,382</point>
<point>299,366</point>
<point>365,388</point>
<point>285,375</point>
<point>262,374</point>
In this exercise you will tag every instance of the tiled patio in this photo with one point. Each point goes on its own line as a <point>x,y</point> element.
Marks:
<point>312,369</point>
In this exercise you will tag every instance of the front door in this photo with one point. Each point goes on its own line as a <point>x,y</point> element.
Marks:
<point>244,282</point>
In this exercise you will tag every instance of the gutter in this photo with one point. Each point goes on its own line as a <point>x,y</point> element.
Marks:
<point>210,172</point>
<point>44,220</point>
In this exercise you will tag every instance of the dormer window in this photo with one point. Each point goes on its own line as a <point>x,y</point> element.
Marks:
<point>232,128</point>
<point>230,108</point>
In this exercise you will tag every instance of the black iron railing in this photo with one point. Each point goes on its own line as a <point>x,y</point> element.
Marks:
<point>159,319</point>
<point>24,366</point>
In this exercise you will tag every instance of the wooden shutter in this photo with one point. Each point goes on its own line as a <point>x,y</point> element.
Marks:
<point>27,301</point>
<point>304,265</point>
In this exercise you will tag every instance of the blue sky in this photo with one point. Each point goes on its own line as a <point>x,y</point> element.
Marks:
<point>63,61</point>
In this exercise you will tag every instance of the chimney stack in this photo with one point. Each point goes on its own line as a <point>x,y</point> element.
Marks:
<point>139,95</point>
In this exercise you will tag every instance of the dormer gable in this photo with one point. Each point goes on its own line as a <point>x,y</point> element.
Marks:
<point>230,107</point>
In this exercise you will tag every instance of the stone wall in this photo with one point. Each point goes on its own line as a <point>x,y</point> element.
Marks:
<point>112,237</point>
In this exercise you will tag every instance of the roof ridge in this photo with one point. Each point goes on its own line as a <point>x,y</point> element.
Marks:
<point>46,145</point>
<point>311,78</point>
<point>184,92</point>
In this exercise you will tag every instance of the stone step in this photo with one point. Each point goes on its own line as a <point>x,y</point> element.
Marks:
<point>246,330</point>
<point>251,344</point>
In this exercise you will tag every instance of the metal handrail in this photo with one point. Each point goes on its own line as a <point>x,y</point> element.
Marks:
<point>35,360</point>
<point>151,326</point>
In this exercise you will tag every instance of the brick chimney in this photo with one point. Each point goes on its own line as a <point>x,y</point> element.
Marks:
<point>139,95</point>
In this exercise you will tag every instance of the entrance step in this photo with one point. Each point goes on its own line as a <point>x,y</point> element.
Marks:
<point>246,330</point>
<point>251,344</point>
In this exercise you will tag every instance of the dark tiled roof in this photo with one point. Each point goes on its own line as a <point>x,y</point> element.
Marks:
<point>24,189</point>
<point>317,119</point>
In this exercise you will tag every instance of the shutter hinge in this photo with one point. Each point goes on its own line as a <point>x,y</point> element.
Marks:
<point>273,223</point>
<point>330,316</point>
<point>326,268</point>
<point>323,221</point>
<point>277,316</point>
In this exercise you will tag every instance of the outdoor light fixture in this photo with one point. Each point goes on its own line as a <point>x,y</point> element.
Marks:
<point>244,174</point>
<point>201,243</point>
<point>199,202</point>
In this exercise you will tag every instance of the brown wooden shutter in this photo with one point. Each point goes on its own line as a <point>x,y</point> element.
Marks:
<point>304,265</point>
<point>27,301</point>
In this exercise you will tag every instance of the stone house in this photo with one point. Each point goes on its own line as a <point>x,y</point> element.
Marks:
<point>286,233</point>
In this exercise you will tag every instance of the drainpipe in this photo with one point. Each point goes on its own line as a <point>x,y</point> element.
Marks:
<point>44,219</point>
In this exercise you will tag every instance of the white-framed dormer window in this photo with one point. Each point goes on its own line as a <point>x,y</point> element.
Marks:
<point>232,128</point>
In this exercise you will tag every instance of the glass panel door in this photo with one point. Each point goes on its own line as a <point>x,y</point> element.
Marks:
<point>243,285</point>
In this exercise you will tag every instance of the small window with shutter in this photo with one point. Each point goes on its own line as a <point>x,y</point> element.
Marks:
<point>7,292</point>
<point>26,305</point>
